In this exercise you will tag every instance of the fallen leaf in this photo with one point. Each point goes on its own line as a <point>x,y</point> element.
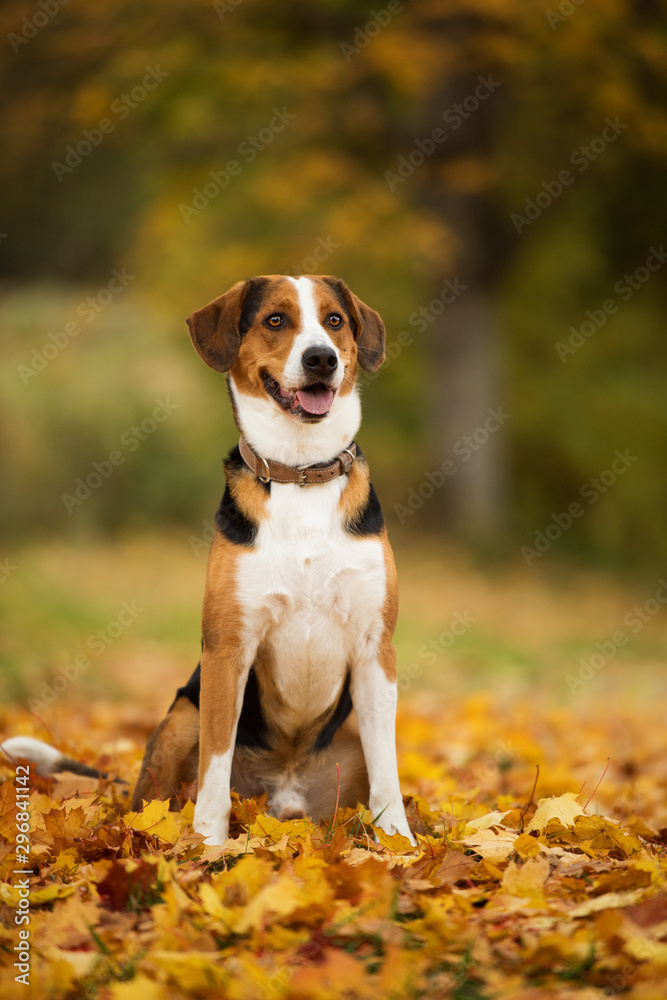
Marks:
<point>526,880</point>
<point>156,820</point>
<point>565,809</point>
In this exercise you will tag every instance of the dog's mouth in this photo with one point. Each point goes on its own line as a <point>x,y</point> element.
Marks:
<point>312,402</point>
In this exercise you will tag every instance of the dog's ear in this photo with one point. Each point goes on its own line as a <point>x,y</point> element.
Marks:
<point>215,328</point>
<point>367,325</point>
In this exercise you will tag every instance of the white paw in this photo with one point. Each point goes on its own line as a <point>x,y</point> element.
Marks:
<point>214,829</point>
<point>393,820</point>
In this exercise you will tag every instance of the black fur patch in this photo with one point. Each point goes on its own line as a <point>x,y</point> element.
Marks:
<point>252,729</point>
<point>370,519</point>
<point>340,714</point>
<point>252,303</point>
<point>229,519</point>
<point>191,689</point>
<point>337,287</point>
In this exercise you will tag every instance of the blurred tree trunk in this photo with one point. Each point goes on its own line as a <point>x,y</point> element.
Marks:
<point>466,339</point>
<point>465,393</point>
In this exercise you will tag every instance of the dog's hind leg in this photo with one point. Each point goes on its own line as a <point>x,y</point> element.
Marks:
<point>172,752</point>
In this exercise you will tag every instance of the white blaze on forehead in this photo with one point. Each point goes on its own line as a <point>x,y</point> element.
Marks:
<point>311,334</point>
<point>306,292</point>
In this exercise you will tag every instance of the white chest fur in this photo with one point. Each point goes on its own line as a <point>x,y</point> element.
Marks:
<point>312,594</point>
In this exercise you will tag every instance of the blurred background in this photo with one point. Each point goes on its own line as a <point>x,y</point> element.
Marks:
<point>488,174</point>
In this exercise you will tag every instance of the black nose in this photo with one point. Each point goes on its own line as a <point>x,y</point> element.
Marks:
<point>320,361</point>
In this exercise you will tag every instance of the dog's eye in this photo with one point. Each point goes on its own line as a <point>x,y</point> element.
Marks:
<point>334,320</point>
<point>274,321</point>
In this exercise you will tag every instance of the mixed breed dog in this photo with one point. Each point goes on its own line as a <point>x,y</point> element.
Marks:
<point>298,670</point>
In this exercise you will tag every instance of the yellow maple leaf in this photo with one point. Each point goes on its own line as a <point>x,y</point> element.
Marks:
<point>156,820</point>
<point>45,894</point>
<point>395,842</point>
<point>67,860</point>
<point>564,808</point>
<point>527,846</point>
<point>528,879</point>
<point>494,818</point>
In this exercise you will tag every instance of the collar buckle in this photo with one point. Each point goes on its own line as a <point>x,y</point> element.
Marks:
<point>346,459</point>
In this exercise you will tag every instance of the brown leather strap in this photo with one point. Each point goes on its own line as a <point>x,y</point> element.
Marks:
<point>304,475</point>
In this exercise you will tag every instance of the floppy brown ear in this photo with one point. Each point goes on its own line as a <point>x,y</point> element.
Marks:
<point>368,328</point>
<point>215,328</point>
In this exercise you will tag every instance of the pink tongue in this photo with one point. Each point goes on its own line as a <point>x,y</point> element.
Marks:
<point>315,400</point>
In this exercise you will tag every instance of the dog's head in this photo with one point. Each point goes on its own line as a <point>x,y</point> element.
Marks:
<point>292,344</point>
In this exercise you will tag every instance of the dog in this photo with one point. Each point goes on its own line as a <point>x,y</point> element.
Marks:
<point>295,693</point>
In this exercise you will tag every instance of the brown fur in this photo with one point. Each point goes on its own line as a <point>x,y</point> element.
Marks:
<point>221,664</point>
<point>355,495</point>
<point>367,325</point>
<point>387,652</point>
<point>248,493</point>
<point>171,757</point>
<point>263,349</point>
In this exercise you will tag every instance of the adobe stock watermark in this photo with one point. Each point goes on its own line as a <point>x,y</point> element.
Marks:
<point>624,288</point>
<point>121,108</point>
<point>7,569</point>
<point>202,542</point>
<point>393,350</point>
<point>421,318</point>
<point>88,310</point>
<point>565,10</point>
<point>322,250</point>
<point>364,35</point>
<point>504,754</point>
<point>429,654</point>
<point>464,449</point>
<point>249,149</point>
<point>45,11</point>
<point>426,146</point>
<point>224,7</point>
<point>131,440</point>
<point>591,491</point>
<point>643,951</point>
<point>581,158</point>
<point>23,867</point>
<point>97,642</point>
<point>607,649</point>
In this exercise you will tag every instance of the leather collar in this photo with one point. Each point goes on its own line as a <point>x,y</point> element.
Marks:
<point>304,475</point>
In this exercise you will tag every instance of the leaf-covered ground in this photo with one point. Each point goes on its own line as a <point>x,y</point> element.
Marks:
<point>562,896</point>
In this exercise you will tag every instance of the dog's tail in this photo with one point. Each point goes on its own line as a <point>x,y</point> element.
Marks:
<point>47,759</point>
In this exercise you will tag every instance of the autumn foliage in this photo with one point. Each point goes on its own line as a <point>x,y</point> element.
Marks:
<point>504,897</point>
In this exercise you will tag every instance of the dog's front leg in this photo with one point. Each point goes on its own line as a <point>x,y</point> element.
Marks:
<point>374,695</point>
<point>224,672</point>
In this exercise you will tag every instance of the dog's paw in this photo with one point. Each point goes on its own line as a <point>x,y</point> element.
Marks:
<point>214,829</point>
<point>393,820</point>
